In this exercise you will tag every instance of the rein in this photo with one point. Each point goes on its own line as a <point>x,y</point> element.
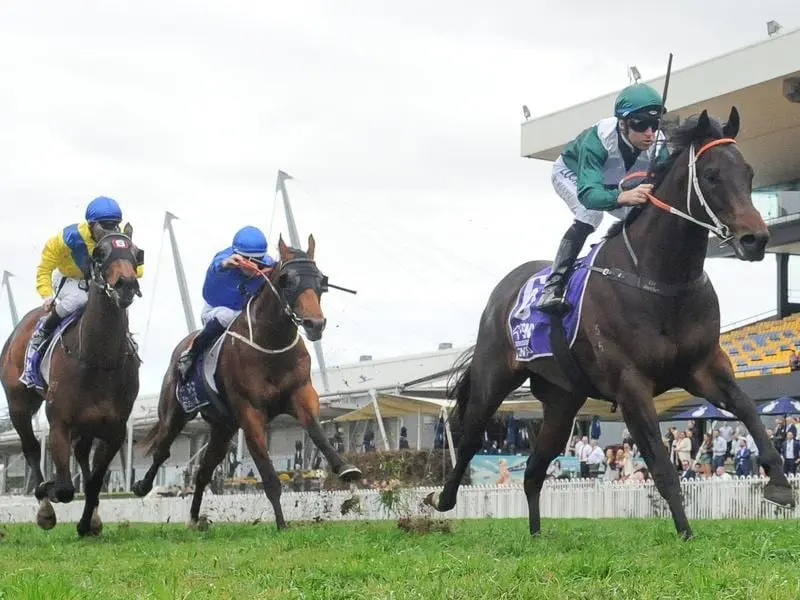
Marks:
<point>295,320</point>
<point>717,228</point>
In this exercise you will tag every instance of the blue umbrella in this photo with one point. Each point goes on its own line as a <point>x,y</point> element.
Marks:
<point>780,406</point>
<point>705,411</point>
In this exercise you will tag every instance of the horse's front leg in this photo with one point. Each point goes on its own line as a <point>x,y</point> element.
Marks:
<point>61,488</point>
<point>635,397</point>
<point>715,381</point>
<point>305,405</point>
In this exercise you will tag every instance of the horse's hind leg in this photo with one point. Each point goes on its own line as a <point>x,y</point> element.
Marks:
<point>253,422</point>
<point>716,382</point>
<point>21,420</point>
<point>172,420</point>
<point>560,409</point>
<point>490,382</point>
<point>215,451</point>
<point>305,404</point>
<point>635,398</point>
<point>105,452</point>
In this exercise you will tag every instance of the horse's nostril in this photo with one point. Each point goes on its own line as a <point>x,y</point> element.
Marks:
<point>748,239</point>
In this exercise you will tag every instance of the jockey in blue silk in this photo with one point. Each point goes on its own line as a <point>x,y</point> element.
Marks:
<point>228,285</point>
<point>64,263</point>
<point>588,173</point>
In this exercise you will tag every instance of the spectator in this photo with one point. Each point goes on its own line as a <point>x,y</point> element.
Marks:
<point>683,448</point>
<point>794,361</point>
<point>595,460</point>
<point>790,451</point>
<point>741,459</point>
<point>719,450</point>
<point>706,455</point>
<point>722,475</point>
<point>687,472</point>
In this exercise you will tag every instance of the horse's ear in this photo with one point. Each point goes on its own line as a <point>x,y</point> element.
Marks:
<point>311,246</point>
<point>128,230</point>
<point>731,128</point>
<point>283,249</point>
<point>703,126</point>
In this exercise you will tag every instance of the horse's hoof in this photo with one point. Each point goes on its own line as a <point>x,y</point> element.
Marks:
<point>782,496</point>
<point>199,524</point>
<point>141,488</point>
<point>432,500</point>
<point>350,473</point>
<point>46,515</point>
<point>96,524</point>
<point>84,530</point>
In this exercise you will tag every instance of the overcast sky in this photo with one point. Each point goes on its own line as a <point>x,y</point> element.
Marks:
<point>399,121</point>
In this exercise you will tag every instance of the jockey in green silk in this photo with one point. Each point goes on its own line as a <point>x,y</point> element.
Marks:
<point>588,173</point>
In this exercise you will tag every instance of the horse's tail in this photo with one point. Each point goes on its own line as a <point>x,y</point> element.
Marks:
<point>149,442</point>
<point>460,389</point>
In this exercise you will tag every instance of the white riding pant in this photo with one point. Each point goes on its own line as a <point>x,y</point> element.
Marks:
<point>565,183</point>
<point>223,314</point>
<point>70,297</point>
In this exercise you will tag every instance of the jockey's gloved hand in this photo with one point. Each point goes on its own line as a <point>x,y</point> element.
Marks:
<point>631,183</point>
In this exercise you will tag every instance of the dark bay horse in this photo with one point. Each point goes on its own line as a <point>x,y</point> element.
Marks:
<point>264,370</point>
<point>640,334</point>
<point>94,380</point>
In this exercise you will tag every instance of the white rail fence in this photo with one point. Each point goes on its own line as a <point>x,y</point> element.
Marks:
<point>738,498</point>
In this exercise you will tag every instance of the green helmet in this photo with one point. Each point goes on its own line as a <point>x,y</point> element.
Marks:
<point>638,98</point>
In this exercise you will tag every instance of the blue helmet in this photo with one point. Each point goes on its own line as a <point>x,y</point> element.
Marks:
<point>250,241</point>
<point>103,209</point>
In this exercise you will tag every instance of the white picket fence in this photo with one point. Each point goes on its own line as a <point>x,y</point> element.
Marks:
<point>738,498</point>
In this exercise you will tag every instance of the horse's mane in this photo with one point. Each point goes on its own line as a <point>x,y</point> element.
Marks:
<point>679,137</point>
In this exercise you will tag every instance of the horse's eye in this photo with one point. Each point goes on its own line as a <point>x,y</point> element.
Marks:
<point>712,176</point>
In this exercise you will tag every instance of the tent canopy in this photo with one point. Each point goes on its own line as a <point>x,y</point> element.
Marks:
<point>396,405</point>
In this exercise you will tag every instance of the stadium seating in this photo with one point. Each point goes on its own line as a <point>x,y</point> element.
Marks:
<point>762,348</point>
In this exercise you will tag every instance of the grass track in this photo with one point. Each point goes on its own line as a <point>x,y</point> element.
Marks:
<point>494,559</point>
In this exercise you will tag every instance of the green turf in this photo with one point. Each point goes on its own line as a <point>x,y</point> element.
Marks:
<point>487,558</point>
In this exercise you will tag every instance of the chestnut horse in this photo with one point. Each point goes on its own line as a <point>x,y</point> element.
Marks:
<point>650,321</point>
<point>263,370</point>
<point>93,382</point>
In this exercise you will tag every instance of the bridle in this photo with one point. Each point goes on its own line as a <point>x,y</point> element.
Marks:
<point>122,248</point>
<point>716,226</point>
<point>308,268</point>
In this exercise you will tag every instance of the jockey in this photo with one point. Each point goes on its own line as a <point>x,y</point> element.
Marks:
<point>588,173</point>
<point>68,252</point>
<point>229,284</point>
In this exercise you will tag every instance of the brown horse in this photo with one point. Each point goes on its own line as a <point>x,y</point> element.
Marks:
<point>264,370</point>
<point>94,380</point>
<point>650,322</point>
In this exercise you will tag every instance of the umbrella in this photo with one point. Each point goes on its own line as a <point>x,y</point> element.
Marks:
<point>705,411</point>
<point>780,406</point>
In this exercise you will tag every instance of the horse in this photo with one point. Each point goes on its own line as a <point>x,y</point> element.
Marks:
<point>93,382</point>
<point>649,322</point>
<point>263,370</point>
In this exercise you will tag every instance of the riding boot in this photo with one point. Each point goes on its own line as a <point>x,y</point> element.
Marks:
<point>203,340</point>
<point>43,333</point>
<point>552,299</point>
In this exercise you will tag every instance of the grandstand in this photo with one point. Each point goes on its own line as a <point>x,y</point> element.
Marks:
<point>763,348</point>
